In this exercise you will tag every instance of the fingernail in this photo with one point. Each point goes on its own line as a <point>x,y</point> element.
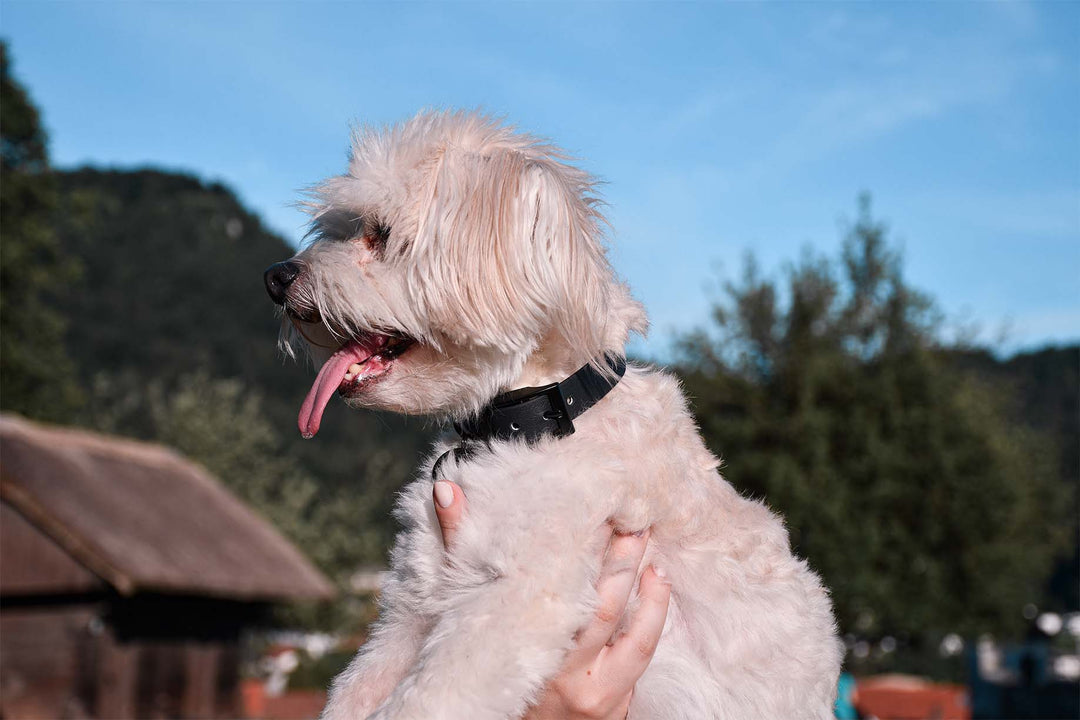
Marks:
<point>660,572</point>
<point>444,494</point>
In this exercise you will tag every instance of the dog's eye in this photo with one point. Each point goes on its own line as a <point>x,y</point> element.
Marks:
<point>376,235</point>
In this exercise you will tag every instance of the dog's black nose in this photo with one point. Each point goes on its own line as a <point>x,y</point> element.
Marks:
<point>278,277</point>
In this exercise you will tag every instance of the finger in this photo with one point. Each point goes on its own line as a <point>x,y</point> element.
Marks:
<point>449,509</point>
<point>617,576</point>
<point>626,660</point>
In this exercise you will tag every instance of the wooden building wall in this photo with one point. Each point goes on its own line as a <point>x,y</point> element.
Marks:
<point>48,663</point>
<point>61,662</point>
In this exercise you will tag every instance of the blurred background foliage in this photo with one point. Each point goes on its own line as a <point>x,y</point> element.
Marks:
<point>933,485</point>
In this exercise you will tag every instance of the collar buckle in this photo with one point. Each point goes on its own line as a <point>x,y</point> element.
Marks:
<point>560,411</point>
<point>543,410</point>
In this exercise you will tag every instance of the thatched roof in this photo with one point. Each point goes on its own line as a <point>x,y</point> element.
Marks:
<point>142,518</point>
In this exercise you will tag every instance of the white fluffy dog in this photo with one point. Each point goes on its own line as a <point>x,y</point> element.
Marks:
<point>456,261</point>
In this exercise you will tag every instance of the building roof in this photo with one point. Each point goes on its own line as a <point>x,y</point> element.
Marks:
<point>142,518</point>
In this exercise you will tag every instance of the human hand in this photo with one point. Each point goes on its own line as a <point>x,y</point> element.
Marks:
<point>597,679</point>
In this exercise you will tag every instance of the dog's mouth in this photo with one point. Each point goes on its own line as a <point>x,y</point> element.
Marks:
<point>354,366</point>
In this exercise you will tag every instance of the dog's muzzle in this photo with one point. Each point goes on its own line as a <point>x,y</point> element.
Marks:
<point>278,277</point>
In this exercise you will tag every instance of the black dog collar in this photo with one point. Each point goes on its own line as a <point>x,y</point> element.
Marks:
<point>533,412</point>
<point>530,413</point>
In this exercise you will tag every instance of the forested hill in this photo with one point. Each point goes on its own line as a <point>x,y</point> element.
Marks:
<point>171,280</point>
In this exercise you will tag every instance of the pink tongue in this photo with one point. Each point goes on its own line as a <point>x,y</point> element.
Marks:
<point>330,377</point>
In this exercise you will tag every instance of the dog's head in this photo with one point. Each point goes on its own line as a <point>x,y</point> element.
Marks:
<point>454,260</point>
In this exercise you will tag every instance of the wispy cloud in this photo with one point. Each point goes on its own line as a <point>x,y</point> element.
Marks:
<point>862,79</point>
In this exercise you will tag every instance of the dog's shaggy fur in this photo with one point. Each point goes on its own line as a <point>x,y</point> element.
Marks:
<point>476,253</point>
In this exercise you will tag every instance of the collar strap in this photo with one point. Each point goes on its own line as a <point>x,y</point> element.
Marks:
<point>530,413</point>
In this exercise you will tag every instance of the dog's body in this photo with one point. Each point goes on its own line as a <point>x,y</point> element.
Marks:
<point>472,265</point>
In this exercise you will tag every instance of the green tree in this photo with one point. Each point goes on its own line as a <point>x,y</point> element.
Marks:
<point>901,480</point>
<point>36,374</point>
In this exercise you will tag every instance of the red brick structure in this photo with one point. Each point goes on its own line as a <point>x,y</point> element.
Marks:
<point>900,697</point>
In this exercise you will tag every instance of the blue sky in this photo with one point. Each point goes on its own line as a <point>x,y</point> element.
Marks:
<point>718,128</point>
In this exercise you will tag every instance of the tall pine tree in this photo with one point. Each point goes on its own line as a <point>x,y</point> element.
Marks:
<point>36,374</point>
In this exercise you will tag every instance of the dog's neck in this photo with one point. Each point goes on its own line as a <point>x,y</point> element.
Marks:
<point>542,370</point>
<point>552,362</point>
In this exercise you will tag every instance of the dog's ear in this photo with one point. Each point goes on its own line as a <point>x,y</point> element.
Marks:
<point>509,249</point>
<point>568,239</point>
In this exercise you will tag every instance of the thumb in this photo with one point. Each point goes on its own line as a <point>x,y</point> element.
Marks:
<point>449,509</point>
